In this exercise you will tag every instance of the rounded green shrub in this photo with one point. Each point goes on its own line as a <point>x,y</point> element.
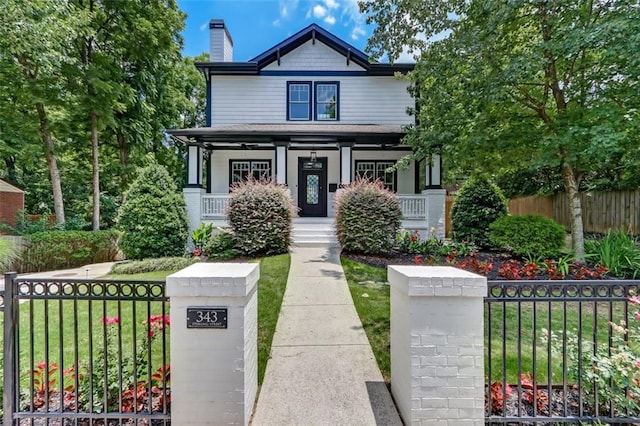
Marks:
<point>220,245</point>
<point>153,218</point>
<point>368,217</point>
<point>260,214</point>
<point>528,235</point>
<point>478,204</point>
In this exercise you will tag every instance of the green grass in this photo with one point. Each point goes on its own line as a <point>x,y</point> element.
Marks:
<point>373,308</point>
<point>274,271</point>
<point>54,323</point>
<point>522,333</point>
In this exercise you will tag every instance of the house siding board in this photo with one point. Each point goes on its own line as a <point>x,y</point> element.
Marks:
<point>220,180</point>
<point>310,57</point>
<point>405,178</point>
<point>263,99</point>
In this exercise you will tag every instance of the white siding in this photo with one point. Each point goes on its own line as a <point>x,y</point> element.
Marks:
<point>263,99</point>
<point>405,178</point>
<point>220,165</point>
<point>220,46</point>
<point>311,56</point>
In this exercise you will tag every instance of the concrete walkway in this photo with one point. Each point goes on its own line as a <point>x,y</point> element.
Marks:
<point>95,270</point>
<point>322,370</point>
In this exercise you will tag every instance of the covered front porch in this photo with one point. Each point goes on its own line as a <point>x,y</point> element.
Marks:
<point>314,161</point>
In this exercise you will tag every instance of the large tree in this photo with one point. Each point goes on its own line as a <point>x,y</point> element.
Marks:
<point>34,46</point>
<point>548,83</point>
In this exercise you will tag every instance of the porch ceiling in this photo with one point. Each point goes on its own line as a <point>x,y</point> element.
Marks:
<point>241,136</point>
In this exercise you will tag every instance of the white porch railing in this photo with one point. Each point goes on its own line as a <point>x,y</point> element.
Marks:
<point>413,206</point>
<point>214,206</point>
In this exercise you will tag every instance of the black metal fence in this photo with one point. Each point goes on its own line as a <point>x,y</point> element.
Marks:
<point>85,352</point>
<point>562,352</point>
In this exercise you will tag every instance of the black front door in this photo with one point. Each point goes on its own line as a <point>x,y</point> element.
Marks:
<point>312,187</point>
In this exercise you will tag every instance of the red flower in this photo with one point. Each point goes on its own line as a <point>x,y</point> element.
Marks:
<point>108,321</point>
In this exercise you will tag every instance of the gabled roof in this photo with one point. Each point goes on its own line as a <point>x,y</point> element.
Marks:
<point>312,32</point>
<point>7,187</point>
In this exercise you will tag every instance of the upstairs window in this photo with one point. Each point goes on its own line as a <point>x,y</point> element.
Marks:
<point>326,95</point>
<point>242,170</point>
<point>377,170</point>
<point>299,100</point>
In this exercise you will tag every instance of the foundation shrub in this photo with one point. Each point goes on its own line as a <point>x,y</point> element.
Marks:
<point>368,217</point>
<point>528,235</point>
<point>260,215</point>
<point>220,245</point>
<point>153,218</point>
<point>51,250</point>
<point>478,204</point>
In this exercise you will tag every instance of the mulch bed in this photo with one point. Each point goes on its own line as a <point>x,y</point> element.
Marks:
<point>497,260</point>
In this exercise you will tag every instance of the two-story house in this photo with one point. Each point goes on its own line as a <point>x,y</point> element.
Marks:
<point>312,112</point>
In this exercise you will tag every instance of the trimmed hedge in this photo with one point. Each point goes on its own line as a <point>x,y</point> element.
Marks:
<point>368,217</point>
<point>528,235</point>
<point>478,204</point>
<point>260,214</point>
<point>52,250</point>
<point>150,265</point>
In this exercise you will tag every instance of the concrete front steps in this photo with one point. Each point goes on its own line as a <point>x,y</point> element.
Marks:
<point>314,232</point>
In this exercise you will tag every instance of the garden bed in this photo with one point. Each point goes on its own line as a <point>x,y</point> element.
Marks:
<point>495,266</point>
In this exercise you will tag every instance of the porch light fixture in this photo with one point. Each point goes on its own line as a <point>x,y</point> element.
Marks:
<point>314,156</point>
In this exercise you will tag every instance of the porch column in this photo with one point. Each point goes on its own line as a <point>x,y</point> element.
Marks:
<point>435,196</point>
<point>281,162</point>
<point>345,162</point>
<point>194,166</point>
<point>434,172</point>
<point>193,190</point>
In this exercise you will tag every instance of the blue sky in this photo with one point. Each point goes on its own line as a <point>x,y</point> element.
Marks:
<point>257,25</point>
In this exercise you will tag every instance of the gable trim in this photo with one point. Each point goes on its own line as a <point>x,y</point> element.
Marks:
<point>312,32</point>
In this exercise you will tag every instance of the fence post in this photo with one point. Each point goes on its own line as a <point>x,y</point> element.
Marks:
<point>8,380</point>
<point>437,344</point>
<point>214,364</point>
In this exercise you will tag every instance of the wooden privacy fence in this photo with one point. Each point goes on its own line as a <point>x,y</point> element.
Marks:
<point>601,211</point>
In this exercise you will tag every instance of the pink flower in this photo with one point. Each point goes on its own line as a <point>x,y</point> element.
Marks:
<point>635,300</point>
<point>638,363</point>
<point>110,320</point>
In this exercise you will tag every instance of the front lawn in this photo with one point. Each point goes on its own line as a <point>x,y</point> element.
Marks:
<point>524,322</point>
<point>68,321</point>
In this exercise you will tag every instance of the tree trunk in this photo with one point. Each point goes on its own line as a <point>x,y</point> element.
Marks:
<point>49,153</point>
<point>96,173</point>
<point>575,207</point>
<point>124,160</point>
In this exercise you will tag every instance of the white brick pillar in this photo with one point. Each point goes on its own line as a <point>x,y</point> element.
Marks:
<point>437,345</point>
<point>193,201</point>
<point>436,210</point>
<point>214,371</point>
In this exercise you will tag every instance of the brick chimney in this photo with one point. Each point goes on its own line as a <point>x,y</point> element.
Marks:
<point>220,42</point>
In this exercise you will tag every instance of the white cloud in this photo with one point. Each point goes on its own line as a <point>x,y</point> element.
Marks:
<point>319,11</point>
<point>287,7</point>
<point>330,20</point>
<point>204,26</point>
<point>276,23</point>
<point>357,31</point>
<point>331,4</point>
